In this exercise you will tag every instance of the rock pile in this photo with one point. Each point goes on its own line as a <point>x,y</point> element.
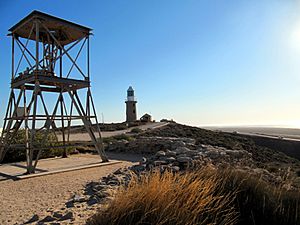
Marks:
<point>176,160</point>
<point>182,158</point>
<point>178,152</point>
<point>168,153</point>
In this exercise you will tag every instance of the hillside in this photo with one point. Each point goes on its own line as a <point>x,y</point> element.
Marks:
<point>258,185</point>
<point>227,140</point>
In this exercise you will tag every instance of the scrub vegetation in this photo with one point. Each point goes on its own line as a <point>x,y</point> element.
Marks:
<point>18,154</point>
<point>201,196</point>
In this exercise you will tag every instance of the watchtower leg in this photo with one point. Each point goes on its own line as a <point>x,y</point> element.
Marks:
<point>88,125</point>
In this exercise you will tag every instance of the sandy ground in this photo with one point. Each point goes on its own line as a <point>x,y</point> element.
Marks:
<point>31,201</point>
<point>38,197</point>
<point>52,165</point>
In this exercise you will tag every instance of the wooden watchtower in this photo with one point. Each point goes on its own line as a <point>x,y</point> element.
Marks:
<point>50,64</point>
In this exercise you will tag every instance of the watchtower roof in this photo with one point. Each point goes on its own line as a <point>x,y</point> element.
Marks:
<point>65,31</point>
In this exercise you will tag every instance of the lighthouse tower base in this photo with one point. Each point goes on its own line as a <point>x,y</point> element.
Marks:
<point>131,111</point>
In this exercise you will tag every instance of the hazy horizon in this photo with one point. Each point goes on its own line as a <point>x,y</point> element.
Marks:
<point>251,126</point>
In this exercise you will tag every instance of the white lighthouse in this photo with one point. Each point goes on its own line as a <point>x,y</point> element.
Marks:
<point>130,106</point>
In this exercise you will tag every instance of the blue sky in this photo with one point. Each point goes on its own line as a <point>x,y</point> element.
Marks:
<point>197,62</point>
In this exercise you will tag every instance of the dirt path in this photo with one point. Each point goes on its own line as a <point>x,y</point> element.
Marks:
<point>86,137</point>
<point>37,197</point>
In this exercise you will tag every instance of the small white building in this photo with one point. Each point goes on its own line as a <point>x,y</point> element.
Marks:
<point>146,118</point>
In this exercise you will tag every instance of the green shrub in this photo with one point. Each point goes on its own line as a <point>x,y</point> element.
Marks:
<point>123,137</point>
<point>107,140</point>
<point>119,137</point>
<point>50,142</point>
<point>136,130</point>
<point>121,127</point>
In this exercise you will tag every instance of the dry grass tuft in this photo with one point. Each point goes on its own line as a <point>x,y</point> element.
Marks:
<point>202,196</point>
<point>171,199</point>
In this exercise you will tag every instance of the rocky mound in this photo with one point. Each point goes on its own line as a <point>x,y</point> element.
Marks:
<point>211,146</point>
<point>184,149</point>
<point>221,139</point>
<point>179,153</point>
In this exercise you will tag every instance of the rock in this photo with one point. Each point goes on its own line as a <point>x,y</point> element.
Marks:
<point>181,155</point>
<point>100,187</point>
<point>159,162</point>
<point>92,201</point>
<point>113,182</point>
<point>164,168</point>
<point>197,157</point>
<point>170,159</point>
<point>191,153</point>
<point>101,183</point>
<point>175,169</point>
<point>181,150</point>
<point>67,216</point>
<point>33,219</point>
<point>144,160</point>
<point>223,154</point>
<point>213,154</point>
<point>69,204</point>
<point>170,153</point>
<point>184,159</point>
<point>160,153</point>
<point>78,198</point>
<point>138,168</point>
<point>238,154</point>
<point>176,163</point>
<point>179,144</point>
<point>47,219</point>
<point>200,149</point>
<point>118,171</point>
<point>57,215</point>
<point>102,194</point>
